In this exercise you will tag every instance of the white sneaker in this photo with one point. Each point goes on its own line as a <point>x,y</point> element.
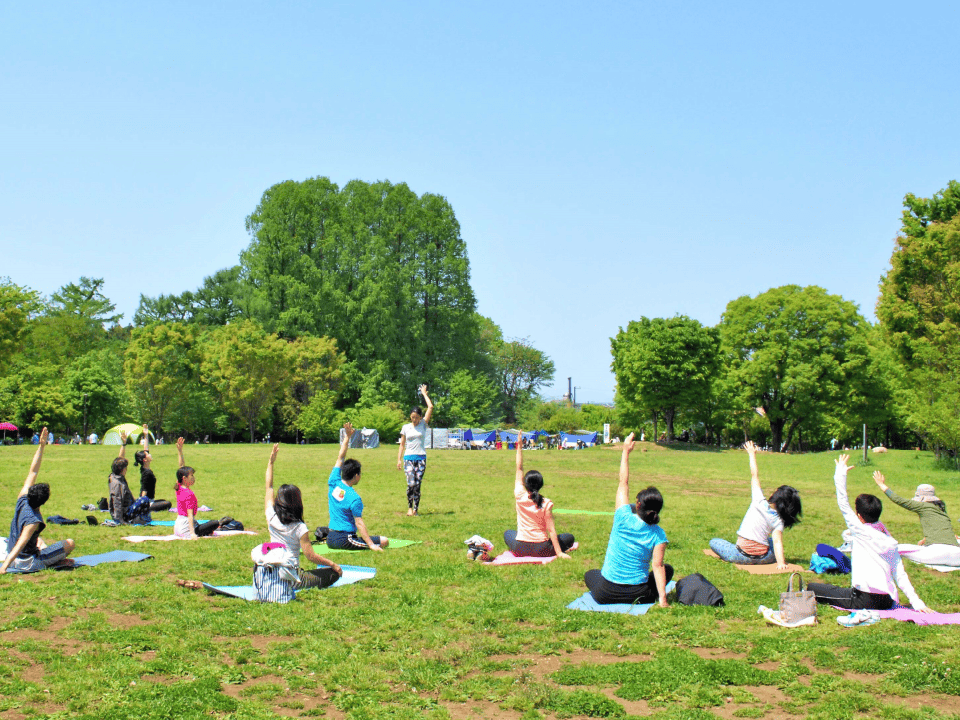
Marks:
<point>859,617</point>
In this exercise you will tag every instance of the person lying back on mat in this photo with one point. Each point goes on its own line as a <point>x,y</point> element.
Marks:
<point>536,535</point>
<point>148,481</point>
<point>186,525</point>
<point>284,512</point>
<point>124,508</point>
<point>939,545</point>
<point>26,550</point>
<point>633,569</point>
<point>877,567</point>
<point>346,507</point>
<point>760,537</point>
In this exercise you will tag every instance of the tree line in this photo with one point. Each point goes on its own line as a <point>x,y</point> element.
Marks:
<point>797,367</point>
<point>344,302</point>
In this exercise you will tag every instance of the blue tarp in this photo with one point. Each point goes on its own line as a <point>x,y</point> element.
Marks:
<point>588,438</point>
<point>479,435</point>
<point>511,435</point>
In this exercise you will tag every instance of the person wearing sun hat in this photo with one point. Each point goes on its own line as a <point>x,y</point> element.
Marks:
<point>939,545</point>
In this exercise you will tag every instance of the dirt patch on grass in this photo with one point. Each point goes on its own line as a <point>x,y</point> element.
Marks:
<point>949,704</point>
<point>542,667</point>
<point>717,654</point>
<point>44,710</point>
<point>473,709</point>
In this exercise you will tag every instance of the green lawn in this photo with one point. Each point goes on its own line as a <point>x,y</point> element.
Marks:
<point>434,635</point>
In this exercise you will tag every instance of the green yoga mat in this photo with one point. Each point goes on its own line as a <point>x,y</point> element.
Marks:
<point>580,512</point>
<point>393,544</point>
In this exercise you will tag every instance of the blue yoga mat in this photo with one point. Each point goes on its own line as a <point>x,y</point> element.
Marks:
<point>587,603</point>
<point>110,557</point>
<point>163,523</point>
<point>351,574</point>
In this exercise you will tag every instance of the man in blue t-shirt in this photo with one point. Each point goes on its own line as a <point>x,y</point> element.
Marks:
<point>346,507</point>
<point>26,551</point>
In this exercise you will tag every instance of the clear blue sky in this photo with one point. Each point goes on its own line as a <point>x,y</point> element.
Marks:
<point>605,160</point>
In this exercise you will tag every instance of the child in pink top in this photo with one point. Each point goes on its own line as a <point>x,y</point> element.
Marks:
<point>186,525</point>
<point>535,535</point>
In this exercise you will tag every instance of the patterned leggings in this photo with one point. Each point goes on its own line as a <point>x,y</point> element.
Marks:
<point>414,470</point>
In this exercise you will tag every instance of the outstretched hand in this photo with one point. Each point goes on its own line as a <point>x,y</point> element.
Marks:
<point>423,390</point>
<point>123,438</point>
<point>44,436</point>
<point>750,447</point>
<point>180,444</point>
<point>880,480</point>
<point>273,453</point>
<point>348,429</point>
<point>841,462</point>
<point>629,444</point>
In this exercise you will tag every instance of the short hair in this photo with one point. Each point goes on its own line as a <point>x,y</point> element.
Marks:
<point>119,465</point>
<point>786,501</point>
<point>649,505</point>
<point>38,494</point>
<point>350,469</point>
<point>868,507</point>
<point>289,504</point>
<point>138,458</point>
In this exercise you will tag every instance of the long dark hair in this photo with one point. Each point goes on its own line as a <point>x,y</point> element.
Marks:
<point>786,501</point>
<point>289,504</point>
<point>649,505</point>
<point>138,458</point>
<point>532,483</point>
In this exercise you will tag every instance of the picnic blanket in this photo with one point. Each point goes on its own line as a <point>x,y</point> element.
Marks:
<point>508,558</point>
<point>351,574</point>
<point>393,544</point>
<point>770,569</point>
<point>586,603</point>
<point>165,538</point>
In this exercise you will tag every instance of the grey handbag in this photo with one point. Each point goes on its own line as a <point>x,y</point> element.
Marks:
<point>797,605</point>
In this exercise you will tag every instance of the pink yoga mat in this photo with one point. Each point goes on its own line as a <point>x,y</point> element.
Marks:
<point>508,558</point>
<point>165,538</point>
<point>907,615</point>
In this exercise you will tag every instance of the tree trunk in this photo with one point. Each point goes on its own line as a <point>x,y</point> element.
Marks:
<point>776,434</point>
<point>656,428</point>
<point>668,416</point>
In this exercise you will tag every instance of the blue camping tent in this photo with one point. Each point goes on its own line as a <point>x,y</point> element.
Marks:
<point>571,439</point>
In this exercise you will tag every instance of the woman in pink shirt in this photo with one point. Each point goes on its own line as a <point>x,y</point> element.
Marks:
<point>535,535</point>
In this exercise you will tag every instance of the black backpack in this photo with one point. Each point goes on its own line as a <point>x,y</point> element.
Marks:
<point>697,590</point>
<point>228,523</point>
<point>321,533</point>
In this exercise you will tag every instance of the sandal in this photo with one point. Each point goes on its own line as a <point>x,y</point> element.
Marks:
<point>190,584</point>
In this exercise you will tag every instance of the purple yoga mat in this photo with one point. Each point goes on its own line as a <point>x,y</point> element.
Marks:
<point>907,615</point>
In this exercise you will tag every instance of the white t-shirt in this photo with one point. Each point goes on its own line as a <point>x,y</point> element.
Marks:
<point>289,534</point>
<point>414,435</point>
<point>760,521</point>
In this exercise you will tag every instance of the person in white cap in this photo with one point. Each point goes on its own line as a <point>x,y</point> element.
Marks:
<point>939,545</point>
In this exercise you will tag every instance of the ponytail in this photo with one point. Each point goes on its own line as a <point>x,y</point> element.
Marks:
<point>532,483</point>
<point>649,505</point>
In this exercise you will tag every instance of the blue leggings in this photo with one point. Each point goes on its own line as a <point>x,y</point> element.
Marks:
<point>730,553</point>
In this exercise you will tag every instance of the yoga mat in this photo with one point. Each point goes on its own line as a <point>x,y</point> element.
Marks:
<point>166,538</point>
<point>393,544</point>
<point>907,615</point>
<point>351,574</point>
<point>111,557</point>
<point>587,603</point>
<point>581,512</point>
<point>163,523</point>
<point>508,558</point>
<point>938,568</point>
<point>770,569</point>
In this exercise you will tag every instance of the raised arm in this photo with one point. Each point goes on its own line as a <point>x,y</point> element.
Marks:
<point>123,444</point>
<point>35,465</point>
<point>347,434</point>
<point>268,497</point>
<point>145,438</point>
<point>623,489</point>
<point>180,453</point>
<point>426,399</point>
<point>843,501</point>
<point>518,484</point>
<point>754,471</point>
<point>911,504</point>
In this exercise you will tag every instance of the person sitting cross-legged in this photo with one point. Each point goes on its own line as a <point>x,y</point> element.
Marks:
<point>346,507</point>
<point>26,550</point>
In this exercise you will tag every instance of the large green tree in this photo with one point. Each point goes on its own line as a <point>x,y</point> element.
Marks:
<point>17,305</point>
<point>375,266</point>
<point>919,312</point>
<point>792,351</point>
<point>662,366</point>
<point>249,368</point>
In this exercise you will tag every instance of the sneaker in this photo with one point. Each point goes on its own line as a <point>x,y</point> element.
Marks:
<point>859,617</point>
<point>88,507</point>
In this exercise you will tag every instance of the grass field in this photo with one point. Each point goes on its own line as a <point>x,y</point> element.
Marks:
<point>434,635</point>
